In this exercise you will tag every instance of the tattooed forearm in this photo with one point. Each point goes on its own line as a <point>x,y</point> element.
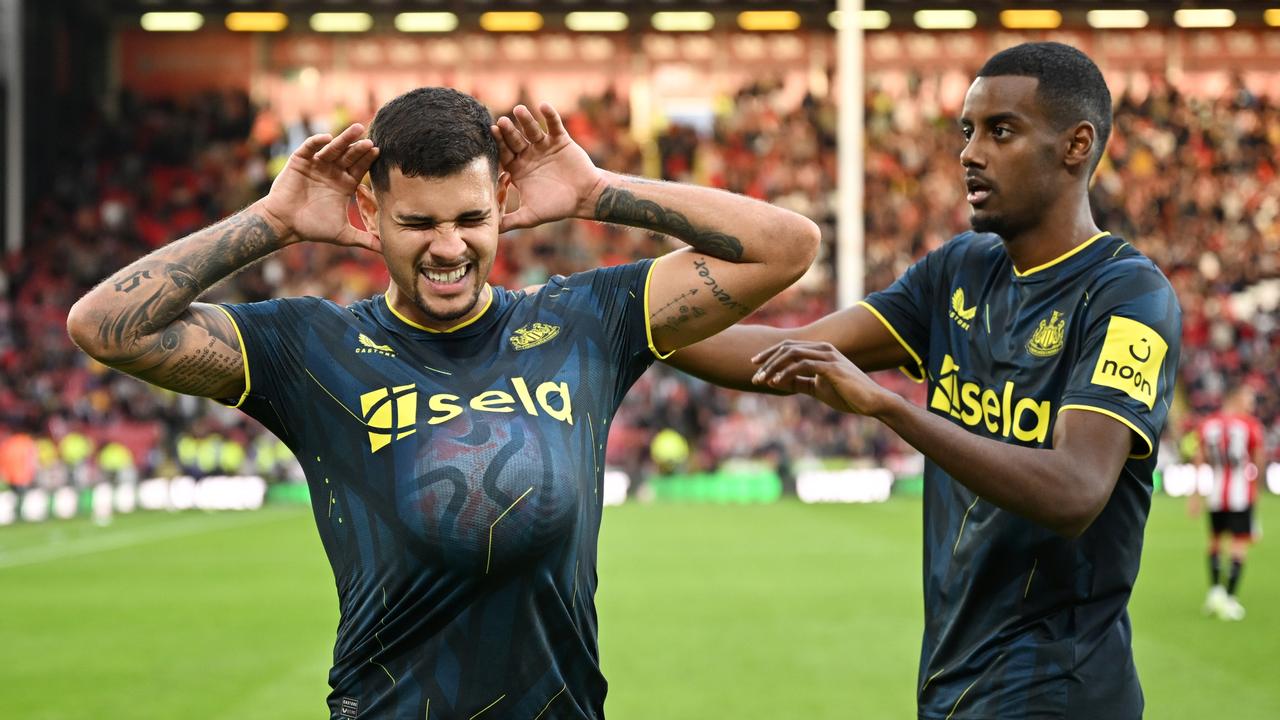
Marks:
<point>130,282</point>
<point>174,276</point>
<point>618,205</point>
<point>720,294</point>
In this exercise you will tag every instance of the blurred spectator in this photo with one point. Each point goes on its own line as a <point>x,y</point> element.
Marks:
<point>1192,183</point>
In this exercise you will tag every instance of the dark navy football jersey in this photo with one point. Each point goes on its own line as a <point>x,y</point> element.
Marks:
<point>1020,622</point>
<point>455,480</point>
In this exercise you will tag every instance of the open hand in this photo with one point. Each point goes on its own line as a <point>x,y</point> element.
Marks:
<point>553,174</point>
<point>820,370</point>
<point>310,196</point>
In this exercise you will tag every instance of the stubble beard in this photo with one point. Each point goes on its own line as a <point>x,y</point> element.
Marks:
<point>449,316</point>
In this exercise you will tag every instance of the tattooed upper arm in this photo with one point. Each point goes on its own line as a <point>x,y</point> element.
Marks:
<point>197,354</point>
<point>693,296</point>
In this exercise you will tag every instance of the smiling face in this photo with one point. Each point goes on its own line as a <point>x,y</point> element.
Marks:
<point>439,238</point>
<point>1012,155</point>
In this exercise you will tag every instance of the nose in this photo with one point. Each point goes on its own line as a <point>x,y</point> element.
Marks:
<point>970,155</point>
<point>448,244</point>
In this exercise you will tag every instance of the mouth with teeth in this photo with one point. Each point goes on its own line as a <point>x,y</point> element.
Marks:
<point>445,280</point>
<point>979,191</point>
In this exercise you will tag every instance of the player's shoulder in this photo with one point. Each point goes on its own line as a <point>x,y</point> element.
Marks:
<point>286,309</point>
<point>1120,259</point>
<point>972,248</point>
<point>1125,270</point>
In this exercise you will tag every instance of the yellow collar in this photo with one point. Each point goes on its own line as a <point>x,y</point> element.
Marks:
<point>1063,256</point>
<point>459,326</point>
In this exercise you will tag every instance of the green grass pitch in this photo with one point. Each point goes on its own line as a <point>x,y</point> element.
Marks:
<point>772,611</point>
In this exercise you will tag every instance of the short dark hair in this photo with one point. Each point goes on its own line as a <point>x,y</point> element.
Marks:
<point>1070,89</point>
<point>431,132</point>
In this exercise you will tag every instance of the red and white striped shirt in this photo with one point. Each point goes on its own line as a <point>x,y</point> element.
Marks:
<point>1229,443</point>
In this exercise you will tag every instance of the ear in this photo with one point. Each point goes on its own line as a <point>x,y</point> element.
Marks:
<point>504,184</point>
<point>367,201</point>
<point>1080,146</point>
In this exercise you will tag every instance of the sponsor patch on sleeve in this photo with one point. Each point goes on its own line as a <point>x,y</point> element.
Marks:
<point>1131,358</point>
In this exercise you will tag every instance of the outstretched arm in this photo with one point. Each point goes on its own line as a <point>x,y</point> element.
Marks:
<point>144,320</point>
<point>727,358</point>
<point>741,251</point>
<point>1063,487</point>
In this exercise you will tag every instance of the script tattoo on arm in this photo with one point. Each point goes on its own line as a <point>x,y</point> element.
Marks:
<point>149,324</point>
<point>683,308</point>
<point>618,205</point>
<point>720,294</point>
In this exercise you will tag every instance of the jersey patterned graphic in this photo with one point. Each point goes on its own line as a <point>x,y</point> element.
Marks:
<point>1021,623</point>
<point>1229,443</point>
<point>455,481</point>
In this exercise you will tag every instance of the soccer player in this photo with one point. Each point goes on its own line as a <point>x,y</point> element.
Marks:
<point>1231,444</point>
<point>452,432</point>
<point>1049,347</point>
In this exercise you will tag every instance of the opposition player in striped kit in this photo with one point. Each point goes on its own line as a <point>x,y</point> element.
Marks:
<point>1231,444</point>
<point>452,432</point>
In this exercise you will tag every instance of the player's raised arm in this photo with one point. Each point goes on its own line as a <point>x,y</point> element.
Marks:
<point>144,320</point>
<point>728,358</point>
<point>741,251</point>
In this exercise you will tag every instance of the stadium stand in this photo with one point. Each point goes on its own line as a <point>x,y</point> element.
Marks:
<point>1193,183</point>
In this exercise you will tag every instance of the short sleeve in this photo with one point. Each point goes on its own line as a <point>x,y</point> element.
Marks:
<point>620,295</point>
<point>272,335</point>
<point>905,307</point>
<point>1128,359</point>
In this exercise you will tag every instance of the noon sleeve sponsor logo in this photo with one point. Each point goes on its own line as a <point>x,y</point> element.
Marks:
<point>1047,339</point>
<point>1130,361</point>
<point>959,313</point>
<point>1001,411</point>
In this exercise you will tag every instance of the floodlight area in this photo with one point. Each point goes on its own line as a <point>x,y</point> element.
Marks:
<point>597,21</point>
<point>945,19</point>
<point>341,22</point>
<point>769,20</point>
<point>426,22</point>
<point>683,21</point>
<point>256,21</point>
<point>511,21</point>
<point>1030,19</point>
<point>1204,18</point>
<point>1117,19</point>
<point>171,21</point>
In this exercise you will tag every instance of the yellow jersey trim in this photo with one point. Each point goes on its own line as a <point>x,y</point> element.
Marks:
<point>455,328</point>
<point>1063,256</point>
<point>1122,419</point>
<point>244,355</point>
<point>914,356</point>
<point>648,325</point>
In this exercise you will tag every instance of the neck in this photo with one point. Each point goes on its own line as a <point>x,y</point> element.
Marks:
<point>407,309</point>
<point>1065,226</point>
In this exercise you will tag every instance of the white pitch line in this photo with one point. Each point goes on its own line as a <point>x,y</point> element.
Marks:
<point>92,545</point>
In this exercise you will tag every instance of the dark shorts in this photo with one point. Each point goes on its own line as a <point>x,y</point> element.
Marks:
<point>1236,522</point>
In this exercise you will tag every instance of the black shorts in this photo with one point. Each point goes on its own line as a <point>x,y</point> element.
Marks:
<point>1236,522</point>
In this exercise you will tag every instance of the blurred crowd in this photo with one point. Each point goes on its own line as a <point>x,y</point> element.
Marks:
<point>1191,182</point>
